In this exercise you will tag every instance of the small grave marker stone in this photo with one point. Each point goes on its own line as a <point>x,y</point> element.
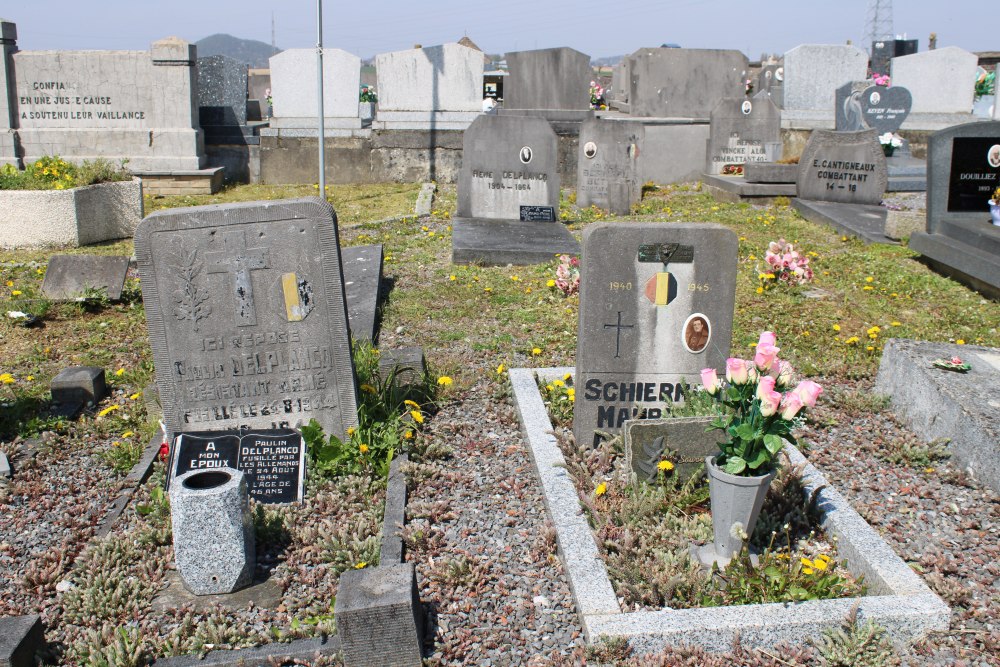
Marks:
<point>845,167</point>
<point>684,441</point>
<point>608,173</point>
<point>508,162</point>
<point>656,307</point>
<point>247,316</point>
<point>68,277</point>
<point>272,461</point>
<point>742,130</point>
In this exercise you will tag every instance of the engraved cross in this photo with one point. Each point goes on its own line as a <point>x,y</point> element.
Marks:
<point>618,334</point>
<point>239,260</point>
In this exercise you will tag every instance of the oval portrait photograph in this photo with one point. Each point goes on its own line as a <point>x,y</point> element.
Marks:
<point>697,333</point>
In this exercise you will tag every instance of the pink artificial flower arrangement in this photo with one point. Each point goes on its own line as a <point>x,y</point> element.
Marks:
<point>786,263</point>
<point>758,409</point>
<point>568,275</point>
<point>881,80</point>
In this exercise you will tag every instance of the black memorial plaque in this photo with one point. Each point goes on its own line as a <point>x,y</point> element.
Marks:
<point>273,460</point>
<point>975,173</point>
<point>538,213</point>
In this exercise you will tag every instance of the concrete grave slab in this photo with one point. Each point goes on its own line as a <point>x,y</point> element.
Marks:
<point>656,307</point>
<point>898,599</point>
<point>962,408</point>
<point>363,287</point>
<point>608,165</point>
<point>508,162</point>
<point>247,316</point>
<point>845,167</point>
<point>294,652</point>
<point>67,277</point>
<point>863,221</point>
<point>501,242</point>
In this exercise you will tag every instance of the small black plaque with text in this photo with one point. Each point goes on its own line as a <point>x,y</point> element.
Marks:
<point>273,460</point>
<point>538,214</point>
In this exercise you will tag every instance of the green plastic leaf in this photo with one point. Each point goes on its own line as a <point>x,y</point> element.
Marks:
<point>735,465</point>
<point>745,431</point>
<point>773,443</point>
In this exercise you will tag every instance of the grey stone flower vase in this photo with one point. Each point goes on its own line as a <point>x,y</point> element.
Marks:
<point>995,213</point>
<point>734,500</point>
<point>213,530</point>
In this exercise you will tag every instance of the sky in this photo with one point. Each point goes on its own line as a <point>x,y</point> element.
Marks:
<point>596,27</point>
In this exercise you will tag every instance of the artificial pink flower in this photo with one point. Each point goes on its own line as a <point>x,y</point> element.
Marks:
<point>767,338</point>
<point>784,373</point>
<point>790,405</point>
<point>736,371</point>
<point>774,247</point>
<point>766,354</point>
<point>765,386</point>
<point>710,379</point>
<point>808,391</point>
<point>769,400</point>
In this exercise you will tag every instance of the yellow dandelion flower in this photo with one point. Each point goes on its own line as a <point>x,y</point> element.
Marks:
<point>760,290</point>
<point>558,383</point>
<point>869,279</point>
<point>116,444</point>
<point>412,404</point>
<point>527,290</point>
<point>108,410</point>
<point>960,341</point>
<point>135,396</point>
<point>567,377</point>
<point>7,378</point>
<point>666,466</point>
<point>501,368</point>
<point>928,470</point>
<point>444,381</point>
<point>452,278</point>
<point>363,448</point>
<point>10,283</point>
<point>368,389</point>
<point>852,340</point>
<point>360,566</point>
<point>836,327</point>
<point>535,351</point>
<point>870,348</point>
<point>128,434</point>
<point>823,557</point>
<point>806,562</point>
<point>120,372</point>
<point>601,489</point>
<point>868,288</point>
<point>515,278</point>
<point>408,435</point>
<point>550,386</point>
<point>417,416</point>
<point>550,283</point>
<point>350,431</point>
<point>30,378</point>
<point>808,570</point>
<point>897,324</point>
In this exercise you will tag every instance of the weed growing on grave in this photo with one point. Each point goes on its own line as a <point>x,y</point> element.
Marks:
<point>856,645</point>
<point>908,449</point>
<point>123,454</point>
<point>55,173</point>
<point>559,397</point>
<point>390,412</point>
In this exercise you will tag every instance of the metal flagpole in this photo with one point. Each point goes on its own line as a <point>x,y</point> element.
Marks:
<point>319,96</point>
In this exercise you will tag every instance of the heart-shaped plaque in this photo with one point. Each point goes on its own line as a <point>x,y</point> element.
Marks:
<point>885,109</point>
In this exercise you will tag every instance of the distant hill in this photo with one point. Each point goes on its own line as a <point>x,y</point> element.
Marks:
<point>249,51</point>
<point>607,61</point>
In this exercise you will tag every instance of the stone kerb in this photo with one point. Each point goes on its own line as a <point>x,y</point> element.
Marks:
<point>79,216</point>
<point>900,601</point>
<point>293,89</point>
<point>940,81</point>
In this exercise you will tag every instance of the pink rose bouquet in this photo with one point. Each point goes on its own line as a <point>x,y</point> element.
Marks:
<point>758,408</point>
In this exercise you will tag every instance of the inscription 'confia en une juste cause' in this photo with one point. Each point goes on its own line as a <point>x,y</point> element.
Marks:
<point>59,94</point>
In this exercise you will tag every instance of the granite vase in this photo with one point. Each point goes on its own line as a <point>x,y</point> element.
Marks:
<point>734,499</point>
<point>995,212</point>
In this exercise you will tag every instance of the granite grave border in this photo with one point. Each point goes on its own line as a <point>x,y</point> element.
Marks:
<point>899,600</point>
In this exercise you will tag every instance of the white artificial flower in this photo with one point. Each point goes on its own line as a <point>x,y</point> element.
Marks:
<point>17,315</point>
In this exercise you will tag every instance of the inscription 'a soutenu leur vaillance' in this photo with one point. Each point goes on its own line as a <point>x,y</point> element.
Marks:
<point>59,94</point>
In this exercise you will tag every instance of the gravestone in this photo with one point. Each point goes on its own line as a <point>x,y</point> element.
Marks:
<point>940,81</point>
<point>656,307</point>
<point>813,72</point>
<point>621,75</point>
<point>247,317</point>
<point>436,87</point>
<point>963,170</point>
<point>222,100</point>
<point>766,78</point>
<point>683,83</point>
<point>68,277</point>
<point>684,441</point>
<point>508,162</point>
<point>83,105</point>
<point>273,462</point>
<point>847,110</point>
<point>743,130</point>
<point>548,79</point>
<point>885,109</point>
<point>293,91</point>
<point>846,167</point>
<point>883,51</point>
<point>608,173</point>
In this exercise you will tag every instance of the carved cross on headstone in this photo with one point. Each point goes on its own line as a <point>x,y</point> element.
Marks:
<point>618,334</point>
<point>239,260</point>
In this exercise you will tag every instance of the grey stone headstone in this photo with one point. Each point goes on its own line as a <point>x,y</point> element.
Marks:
<point>69,276</point>
<point>547,79</point>
<point>813,72</point>
<point>363,287</point>
<point>79,384</point>
<point>684,83</point>
<point>213,530</point>
<point>407,363</point>
<point>608,173</point>
<point>20,638</point>
<point>963,169</point>
<point>845,167</point>
<point>222,91</point>
<point>647,325</point>
<point>247,316</point>
<point>380,620</point>
<point>685,441</point>
<point>885,109</point>
<point>766,78</point>
<point>507,162</point>
<point>847,109</point>
<point>741,130</point>
<point>940,81</point>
